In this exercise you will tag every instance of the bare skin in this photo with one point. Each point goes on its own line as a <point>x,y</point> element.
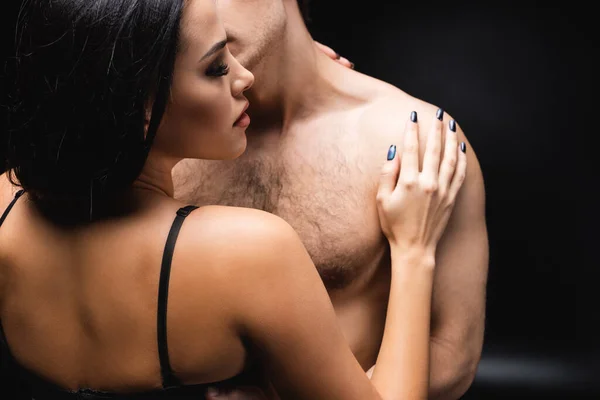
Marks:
<point>78,302</point>
<point>314,154</point>
<point>78,316</point>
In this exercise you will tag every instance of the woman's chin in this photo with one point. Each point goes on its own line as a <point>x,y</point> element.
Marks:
<point>224,151</point>
<point>238,149</point>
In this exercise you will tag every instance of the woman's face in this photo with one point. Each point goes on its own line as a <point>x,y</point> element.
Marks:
<point>205,116</point>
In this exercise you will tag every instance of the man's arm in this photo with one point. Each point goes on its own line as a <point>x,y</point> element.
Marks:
<point>458,307</point>
<point>458,313</point>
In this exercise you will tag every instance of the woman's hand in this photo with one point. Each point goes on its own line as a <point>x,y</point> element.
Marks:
<point>414,205</point>
<point>334,55</point>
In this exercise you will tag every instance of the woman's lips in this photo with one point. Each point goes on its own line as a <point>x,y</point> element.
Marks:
<point>243,121</point>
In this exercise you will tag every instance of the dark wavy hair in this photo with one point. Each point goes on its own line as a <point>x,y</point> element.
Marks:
<point>85,73</point>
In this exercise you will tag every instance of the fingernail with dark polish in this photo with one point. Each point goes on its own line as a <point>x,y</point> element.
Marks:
<point>463,147</point>
<point>413,116</point>
<point>391,152</point>
<point>337,56</point>
<point>439,114</point>
<point>351,65</point>
<point>453,125</point>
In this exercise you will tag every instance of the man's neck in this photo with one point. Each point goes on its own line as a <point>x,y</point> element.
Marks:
<point>290,84</point>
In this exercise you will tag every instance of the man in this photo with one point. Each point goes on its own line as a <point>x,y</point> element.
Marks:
<point>318,138</point>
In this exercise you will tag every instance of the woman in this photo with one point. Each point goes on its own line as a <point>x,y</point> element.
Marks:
<point>109,286</point>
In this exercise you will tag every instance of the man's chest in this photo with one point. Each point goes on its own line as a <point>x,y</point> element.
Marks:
<point>324,192</point>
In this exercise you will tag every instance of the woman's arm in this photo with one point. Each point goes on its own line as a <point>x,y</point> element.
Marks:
<point>286,315</point>
<point>403,362</point>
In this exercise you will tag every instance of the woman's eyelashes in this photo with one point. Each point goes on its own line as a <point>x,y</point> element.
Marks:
<point>218,68</point>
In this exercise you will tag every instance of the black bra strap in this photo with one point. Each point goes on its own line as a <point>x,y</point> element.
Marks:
<point>168,377</point>
<point>10,206</point>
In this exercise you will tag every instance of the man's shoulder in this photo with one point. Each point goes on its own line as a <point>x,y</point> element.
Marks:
<point>377,108</point>
<point>384,117</point>
<point>389,108</point>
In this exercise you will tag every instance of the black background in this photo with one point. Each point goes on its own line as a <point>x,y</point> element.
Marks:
<point>521,81</point>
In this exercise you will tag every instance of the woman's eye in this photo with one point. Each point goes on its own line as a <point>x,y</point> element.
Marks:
<point>218,69</point>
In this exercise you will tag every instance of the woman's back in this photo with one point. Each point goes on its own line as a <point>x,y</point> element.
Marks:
<point>79,306</point>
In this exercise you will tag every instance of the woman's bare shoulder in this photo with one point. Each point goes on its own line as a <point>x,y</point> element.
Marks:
<point>237,250</point>
<point>227,264</point>
<point>241,236</point>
